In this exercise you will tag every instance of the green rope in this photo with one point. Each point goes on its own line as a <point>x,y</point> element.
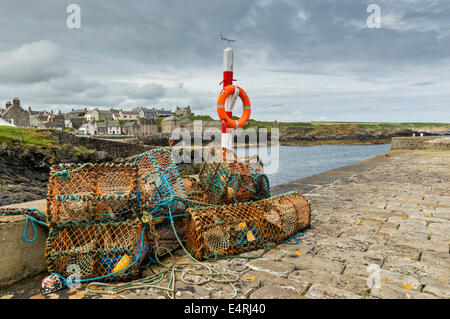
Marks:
<point>170,270</point>
<point>39,218</point>
<point>64,173</point>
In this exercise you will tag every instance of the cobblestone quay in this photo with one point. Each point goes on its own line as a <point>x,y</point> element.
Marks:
<point>380,229</point>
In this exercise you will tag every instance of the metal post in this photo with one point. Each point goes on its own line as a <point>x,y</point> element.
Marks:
<point>227,134</point>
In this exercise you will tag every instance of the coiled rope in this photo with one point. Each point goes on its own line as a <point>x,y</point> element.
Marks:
<point>34,216</point>
<point>153,281</point>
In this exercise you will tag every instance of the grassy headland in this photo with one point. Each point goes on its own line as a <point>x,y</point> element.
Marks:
<point>313,133</point>
<point>27,136</point>
<point>38,139</point>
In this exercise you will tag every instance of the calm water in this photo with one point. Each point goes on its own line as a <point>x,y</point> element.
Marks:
<point>300,161</point>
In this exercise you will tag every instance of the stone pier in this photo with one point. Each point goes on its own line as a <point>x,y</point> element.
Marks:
<point>20,259</point>
<point>380,229</point>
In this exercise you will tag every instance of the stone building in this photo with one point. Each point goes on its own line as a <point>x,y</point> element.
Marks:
<point>169,124</point>
<point>108,128</point>
<point>126,115</point>
<point>100,115</point>
<point>130,128</point>
<point>153,112</point>
<point>183,111</point>
<point>48,120</point>
<point>147,126</point>
<point>56,121</point>
<point>38,120</point>
<point>76,114</point>
<point>31,112</point>
<point>74,123</point>
<point>100,128</point>
<point>15,114</point>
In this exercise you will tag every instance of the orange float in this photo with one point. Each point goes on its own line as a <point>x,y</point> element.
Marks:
<point>226,120</point>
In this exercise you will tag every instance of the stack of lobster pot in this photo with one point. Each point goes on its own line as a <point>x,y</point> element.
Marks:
<point>230,180</point>
<point>163,198</point>
<point>233,211</point>
<point>93,212</point>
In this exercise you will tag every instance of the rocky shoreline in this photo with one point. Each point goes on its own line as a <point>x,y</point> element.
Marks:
<point>24,172</point>
<point>297,136</point>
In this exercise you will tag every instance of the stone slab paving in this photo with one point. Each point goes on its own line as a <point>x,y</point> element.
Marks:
<point>385,222</point>
<point>391,213</point>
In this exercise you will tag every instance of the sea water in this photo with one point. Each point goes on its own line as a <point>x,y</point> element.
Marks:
<point>293,162</point>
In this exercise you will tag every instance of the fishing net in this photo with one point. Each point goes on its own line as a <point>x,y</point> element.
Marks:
<point>90,208</point>
<point>105,219</point>
<point>106,250</point>
<point>159,185</point>
<point>254,163</point>
<point>233,229</point>
<point>92,192</point>
<point>232,180</point>
<point>162,235</point>
<point>196,194</point>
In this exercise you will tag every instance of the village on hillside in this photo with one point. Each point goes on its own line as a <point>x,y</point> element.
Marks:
<point>140,121</point>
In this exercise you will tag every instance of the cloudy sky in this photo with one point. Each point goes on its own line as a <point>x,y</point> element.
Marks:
<point>298,60</point>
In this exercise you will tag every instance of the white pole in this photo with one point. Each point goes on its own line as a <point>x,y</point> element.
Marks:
<point>227,134</point>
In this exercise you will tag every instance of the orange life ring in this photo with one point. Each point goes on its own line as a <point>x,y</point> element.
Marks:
<point>229,122</point>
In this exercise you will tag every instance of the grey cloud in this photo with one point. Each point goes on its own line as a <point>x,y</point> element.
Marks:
<point>134,52</point>
<point>150,91</point>
<point>32,62</point>
<point>423,83</point>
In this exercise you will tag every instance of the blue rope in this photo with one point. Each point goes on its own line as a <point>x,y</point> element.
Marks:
<point>26,228</point>
<point>288,241</point>
<point>33,221</point>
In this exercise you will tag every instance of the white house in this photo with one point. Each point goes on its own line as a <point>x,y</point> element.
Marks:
<point>4,122</point>
<point>87,129</point>
<point>114,129</point>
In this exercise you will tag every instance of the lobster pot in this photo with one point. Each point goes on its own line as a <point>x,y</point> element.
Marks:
<point>116,179</point>
<point>74,179</point>
<point>107,251</point>
<point>254,163</point>
<point>236,228</point>
<point>70,209</point>
<point>92,208</point>
<point>234,181</point>
<point>159,184</point>
<point>89,191</point>
<point>115,207</point>
<point>162,235</point>
<point>198,197</point>
<point>227,183</point>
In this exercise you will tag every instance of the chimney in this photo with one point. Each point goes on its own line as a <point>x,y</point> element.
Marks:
<point>16,101</point>
<point>29,110</point>
<point>8,104</point>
